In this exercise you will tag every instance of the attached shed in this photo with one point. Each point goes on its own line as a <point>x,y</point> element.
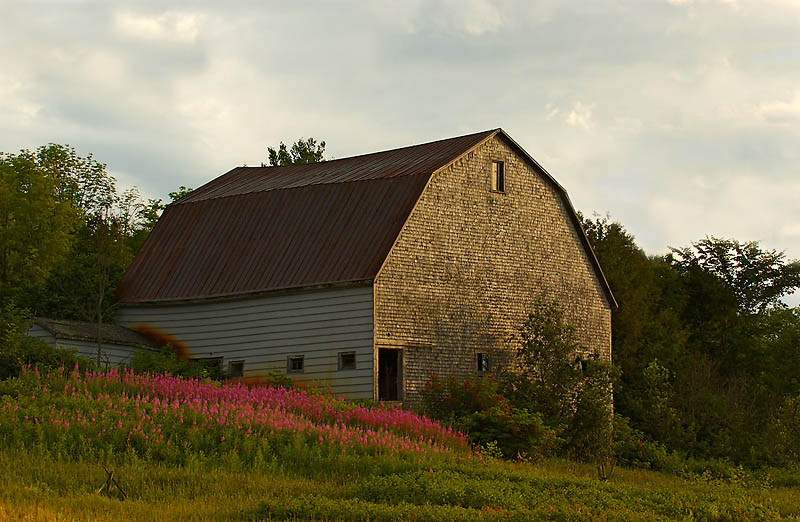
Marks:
<point>118,346</point>
<point>369,272</point>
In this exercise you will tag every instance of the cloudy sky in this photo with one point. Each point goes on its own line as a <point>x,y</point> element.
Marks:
<point>680,118</point>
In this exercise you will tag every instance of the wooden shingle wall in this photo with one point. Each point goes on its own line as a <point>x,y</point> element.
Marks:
<point>469,264</point>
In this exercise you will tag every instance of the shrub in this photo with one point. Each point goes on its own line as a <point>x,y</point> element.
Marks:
<point>517,432</point>
<point>632,448</point>
<point>37,353</point>
<point>545,346</point>
<point>784,432</point>
<point>450,397</point>
<point>589,431</point>
<point>572,392</point>
<point>473,405</point>
<point>166,361</point>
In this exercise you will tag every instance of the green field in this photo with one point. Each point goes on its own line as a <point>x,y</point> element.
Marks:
<point>184,450</point>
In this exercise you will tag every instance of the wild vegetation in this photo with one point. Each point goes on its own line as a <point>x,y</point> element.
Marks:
<point>707,351</point>
<point>182,449</point>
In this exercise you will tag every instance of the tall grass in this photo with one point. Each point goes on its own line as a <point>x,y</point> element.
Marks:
<point>189,449</point>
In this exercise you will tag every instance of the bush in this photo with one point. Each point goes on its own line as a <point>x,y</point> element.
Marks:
<point>573,392</point>
<point>167,361</point>
<point>451,397</point>
<point>784,432</point>
<point>474,406</point>
<point>37,353</point>
<point>632,448</point>
<point>517,432</point>
<point>589,431</point>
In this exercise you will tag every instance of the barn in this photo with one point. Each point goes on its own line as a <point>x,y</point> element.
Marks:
<point>370,272</point>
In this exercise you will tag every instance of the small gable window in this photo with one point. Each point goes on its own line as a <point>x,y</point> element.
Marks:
<point>483,362</point>
<point>295,363</point>
<point>347,360</point>
<point>498,176</point>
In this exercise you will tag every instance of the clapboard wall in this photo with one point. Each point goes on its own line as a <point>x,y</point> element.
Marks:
<point>265,331</point>
<point>112,354</point>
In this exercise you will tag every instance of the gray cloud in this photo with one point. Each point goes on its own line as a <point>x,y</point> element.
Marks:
<point>680,118</point>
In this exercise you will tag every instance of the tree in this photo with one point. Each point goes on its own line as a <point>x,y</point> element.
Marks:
<point>182,191</point>
<point>302,151</point>
<point>36,220</point>
<point>546,347</point>
<point>647,326</point>
<point>732,287</point>
<point>757,279</point>
<point>564,381</point>
<point>83,182</point>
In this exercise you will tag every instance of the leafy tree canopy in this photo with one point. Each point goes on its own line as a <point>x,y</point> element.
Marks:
<point>178,194</point>
<point>756,278</point>
<point>37,214</point>
<point>302,151</point>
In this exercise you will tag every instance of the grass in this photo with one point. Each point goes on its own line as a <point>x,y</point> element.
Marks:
<point>306,470</point>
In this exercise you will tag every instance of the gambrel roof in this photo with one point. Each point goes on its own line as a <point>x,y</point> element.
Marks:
<point>261,229</point>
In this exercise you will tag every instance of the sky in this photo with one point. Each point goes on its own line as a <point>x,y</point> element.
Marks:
<point>678,118</point>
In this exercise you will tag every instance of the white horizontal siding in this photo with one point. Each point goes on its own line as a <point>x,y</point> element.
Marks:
<point>112,354</point>
<point>264,331</point>
<point>40,333</point>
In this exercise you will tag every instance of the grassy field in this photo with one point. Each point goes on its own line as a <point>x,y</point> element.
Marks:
<point>189,450</point>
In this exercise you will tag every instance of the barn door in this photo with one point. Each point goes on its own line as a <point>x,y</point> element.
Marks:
<point>390,374</point>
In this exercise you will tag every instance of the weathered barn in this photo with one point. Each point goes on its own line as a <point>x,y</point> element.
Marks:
<point>368,272</point>
<point>119,344</point>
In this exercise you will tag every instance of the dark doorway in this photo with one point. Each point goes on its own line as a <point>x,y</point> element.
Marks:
<point>389,379</point>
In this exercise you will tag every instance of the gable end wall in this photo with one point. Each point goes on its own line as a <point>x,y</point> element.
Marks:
<point>469,264</point>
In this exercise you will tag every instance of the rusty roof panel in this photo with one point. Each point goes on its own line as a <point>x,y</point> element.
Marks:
<point>280,239</point>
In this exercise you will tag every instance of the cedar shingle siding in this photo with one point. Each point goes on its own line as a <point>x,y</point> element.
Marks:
<point>450,267</point>
<point>469,263</point>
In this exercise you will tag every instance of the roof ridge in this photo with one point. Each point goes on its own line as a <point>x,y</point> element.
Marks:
<point>422,158</point>
<point>488,131</point>
<point>319,184</point>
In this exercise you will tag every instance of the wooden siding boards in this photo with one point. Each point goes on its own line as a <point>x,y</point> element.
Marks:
<point>112,355</point>
<point>264,331</point>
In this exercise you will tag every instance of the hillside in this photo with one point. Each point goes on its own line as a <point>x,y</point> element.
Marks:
<point>183,449</point>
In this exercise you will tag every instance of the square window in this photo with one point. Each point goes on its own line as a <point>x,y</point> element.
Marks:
<point>295,363</point>
<point>483,362</point>
<point>347,360</point>
<point>498,176</point>
<point>236,369</point>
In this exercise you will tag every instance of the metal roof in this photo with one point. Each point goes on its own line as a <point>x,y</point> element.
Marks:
<point>407,161</point>
<point>260,229</point>
<point>83,331</point>
<point>333,233</point>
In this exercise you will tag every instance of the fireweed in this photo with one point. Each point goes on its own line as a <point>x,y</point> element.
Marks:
<point>169,418</point>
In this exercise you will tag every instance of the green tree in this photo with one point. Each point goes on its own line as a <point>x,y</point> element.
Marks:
<point>36,221</point>
<point>568,384</point>
<point>546,347</point>
<point>757,279</point>
<point>302,151</point>
<point>732,289</point>
<point>646,328</point>
<point>178,194</point>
